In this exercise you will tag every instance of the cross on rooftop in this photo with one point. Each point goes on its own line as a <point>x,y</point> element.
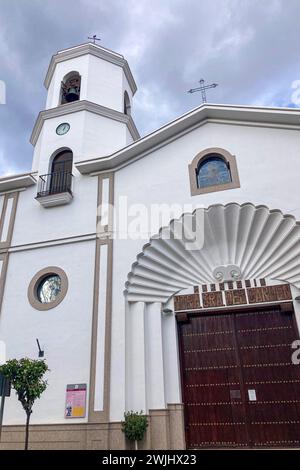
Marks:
<point>203,89</point>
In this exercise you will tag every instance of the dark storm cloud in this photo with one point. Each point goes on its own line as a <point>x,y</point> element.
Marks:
<point>250,47</point>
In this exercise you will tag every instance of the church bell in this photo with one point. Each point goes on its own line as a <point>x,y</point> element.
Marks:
<point>72,94</point>
<point>71,89</point>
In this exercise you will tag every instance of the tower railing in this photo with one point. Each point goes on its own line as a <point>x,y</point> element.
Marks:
<point>55,183</point>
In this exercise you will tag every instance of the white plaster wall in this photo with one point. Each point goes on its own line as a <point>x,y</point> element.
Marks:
<point>105,83</point>
<point>90,135</point>
<point>269,167</point>
<point>64,332</point>
<point>36,153</point>
<point>35,224</point>
<point>49,142</point>
<point>267,159</point>
<point>50,100</point>
<point>102,136</point>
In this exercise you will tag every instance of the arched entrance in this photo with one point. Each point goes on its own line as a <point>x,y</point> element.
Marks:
<point>235,355</point>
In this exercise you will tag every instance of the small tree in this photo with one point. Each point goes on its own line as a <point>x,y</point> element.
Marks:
<point>26,377</point>
<point>134,426</point>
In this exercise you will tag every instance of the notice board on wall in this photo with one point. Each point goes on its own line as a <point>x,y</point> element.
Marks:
<point>75,401</point>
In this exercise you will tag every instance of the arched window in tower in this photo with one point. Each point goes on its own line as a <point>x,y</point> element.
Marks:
<point>127,106</point>
<point>61,172</point>
<point>212,171</point>
<point>70,88</point>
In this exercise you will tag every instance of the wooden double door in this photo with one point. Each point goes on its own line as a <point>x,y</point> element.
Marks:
<point>240,387</point>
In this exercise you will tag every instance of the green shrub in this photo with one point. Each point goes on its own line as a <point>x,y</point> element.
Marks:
<point>135,425</point>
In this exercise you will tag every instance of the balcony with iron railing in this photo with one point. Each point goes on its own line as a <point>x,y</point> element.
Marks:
<point>55,188</point>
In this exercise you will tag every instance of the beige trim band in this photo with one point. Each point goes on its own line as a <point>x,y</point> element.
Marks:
<point>227,157</point>
<point>54,242</point>
<point>102,416</point>
<point>3,271</point>
<point>4,245</point>
<point>37,279</point>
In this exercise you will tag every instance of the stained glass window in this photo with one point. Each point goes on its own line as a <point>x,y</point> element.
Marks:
<point>49,288</point>
<point>213,171</point>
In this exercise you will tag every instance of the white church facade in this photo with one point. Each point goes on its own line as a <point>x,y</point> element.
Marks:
<point>196,334</point>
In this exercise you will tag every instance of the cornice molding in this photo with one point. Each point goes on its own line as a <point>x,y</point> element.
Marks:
<point>95,50</point>
<point>82,105</point>
<point>16,182</point>
<point>283,118</point>
<point>53,242</point>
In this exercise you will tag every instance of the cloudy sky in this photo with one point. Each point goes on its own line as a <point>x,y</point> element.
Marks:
<point>249,47</point>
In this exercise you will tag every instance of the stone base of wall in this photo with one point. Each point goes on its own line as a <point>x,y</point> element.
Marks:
<point>165,431</point>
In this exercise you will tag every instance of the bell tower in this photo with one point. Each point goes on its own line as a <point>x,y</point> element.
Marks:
<point>88,107</point>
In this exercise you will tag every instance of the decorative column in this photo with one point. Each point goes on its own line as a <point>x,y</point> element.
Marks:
<point>135,357</point>
<point>172,380</point>
<point>154,357</point>
<point>171,359</point>
<point>99,399</point>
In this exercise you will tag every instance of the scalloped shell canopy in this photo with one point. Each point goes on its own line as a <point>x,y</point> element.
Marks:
<point>259,242</point>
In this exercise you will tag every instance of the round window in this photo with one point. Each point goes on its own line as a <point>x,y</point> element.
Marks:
<point>49,288</point>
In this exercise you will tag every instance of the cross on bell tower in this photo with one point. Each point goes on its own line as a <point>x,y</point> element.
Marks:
<point>94,38</point>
